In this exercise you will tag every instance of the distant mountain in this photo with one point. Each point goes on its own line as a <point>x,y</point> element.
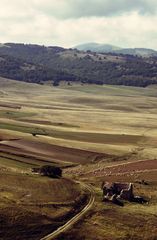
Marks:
<point>144,52</point>
<point>97,47</point>
<point>35,63</point>
<point>107,48</point>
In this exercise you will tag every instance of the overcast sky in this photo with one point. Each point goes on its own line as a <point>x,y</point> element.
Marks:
<point>126,23</point>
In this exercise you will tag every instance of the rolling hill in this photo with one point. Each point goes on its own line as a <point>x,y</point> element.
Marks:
<point>97,47</point>
<point>38,64</point>
<point>107,48</point>
<point>96,134</point>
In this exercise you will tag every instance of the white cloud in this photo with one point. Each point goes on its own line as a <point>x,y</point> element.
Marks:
<point>50,22</point>
<point>82,8</point>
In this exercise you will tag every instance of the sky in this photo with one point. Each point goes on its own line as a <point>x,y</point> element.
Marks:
<point>67,23</point>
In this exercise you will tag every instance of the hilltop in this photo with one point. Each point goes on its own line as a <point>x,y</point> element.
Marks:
<point>108,48</point>
<point>97,47</point>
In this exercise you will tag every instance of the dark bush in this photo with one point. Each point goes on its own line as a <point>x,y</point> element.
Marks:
<point>56,83</point>
<point>51,171</point>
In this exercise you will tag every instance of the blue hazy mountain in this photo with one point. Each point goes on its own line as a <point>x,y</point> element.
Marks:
<point>107,48</point>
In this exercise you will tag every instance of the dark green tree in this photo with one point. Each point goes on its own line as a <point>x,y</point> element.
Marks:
<point>51,171</point>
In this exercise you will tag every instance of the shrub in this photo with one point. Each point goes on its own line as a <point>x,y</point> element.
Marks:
<point>51,171</point>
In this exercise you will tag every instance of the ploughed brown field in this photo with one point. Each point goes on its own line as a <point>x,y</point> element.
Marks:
<point>95,134</point>
<point>52,153</point>
<point>117,169</point>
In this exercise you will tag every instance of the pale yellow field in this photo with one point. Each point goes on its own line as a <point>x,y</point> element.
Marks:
<point>108,119</point>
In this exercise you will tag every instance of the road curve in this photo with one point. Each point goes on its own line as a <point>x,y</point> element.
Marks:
<point>76,218</point>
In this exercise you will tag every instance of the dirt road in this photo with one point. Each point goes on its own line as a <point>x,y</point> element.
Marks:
<point>76,218</point>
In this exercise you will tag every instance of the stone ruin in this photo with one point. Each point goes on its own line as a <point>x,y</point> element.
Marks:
<point>116,192</point>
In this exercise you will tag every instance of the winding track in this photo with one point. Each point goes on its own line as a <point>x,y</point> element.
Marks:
<point>76,218</point>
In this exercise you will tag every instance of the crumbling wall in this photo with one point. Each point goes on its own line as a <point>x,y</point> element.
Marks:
<point>120,190</point>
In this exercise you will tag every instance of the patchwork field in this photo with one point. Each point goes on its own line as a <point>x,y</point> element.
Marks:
<point>107,119</point>
<point>95,133</point>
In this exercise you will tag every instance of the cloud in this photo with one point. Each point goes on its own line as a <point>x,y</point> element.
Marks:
<point>127,23</point>
<point>66,9</point>
<point>97,8</point>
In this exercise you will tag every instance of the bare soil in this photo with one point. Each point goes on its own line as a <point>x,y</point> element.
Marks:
<point>50,151</point>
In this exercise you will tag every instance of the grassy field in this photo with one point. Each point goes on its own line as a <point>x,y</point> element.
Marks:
<point>108,221</point>
<point>98,118</point>
<point>31,206</point>
<point>84,129</point>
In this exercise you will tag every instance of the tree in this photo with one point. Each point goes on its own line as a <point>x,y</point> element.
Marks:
<point>51,171</point>
<point>56,83</point>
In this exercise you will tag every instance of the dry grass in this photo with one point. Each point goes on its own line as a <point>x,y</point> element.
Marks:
<point>110,222</point>
<point>32,206</point>
<point>88,117</point>
<point>116,123</point>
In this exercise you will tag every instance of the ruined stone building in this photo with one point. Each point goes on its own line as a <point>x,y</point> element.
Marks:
<point>118,190</point>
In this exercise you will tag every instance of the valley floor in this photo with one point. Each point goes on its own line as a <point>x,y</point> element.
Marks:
<point>95,134</point>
